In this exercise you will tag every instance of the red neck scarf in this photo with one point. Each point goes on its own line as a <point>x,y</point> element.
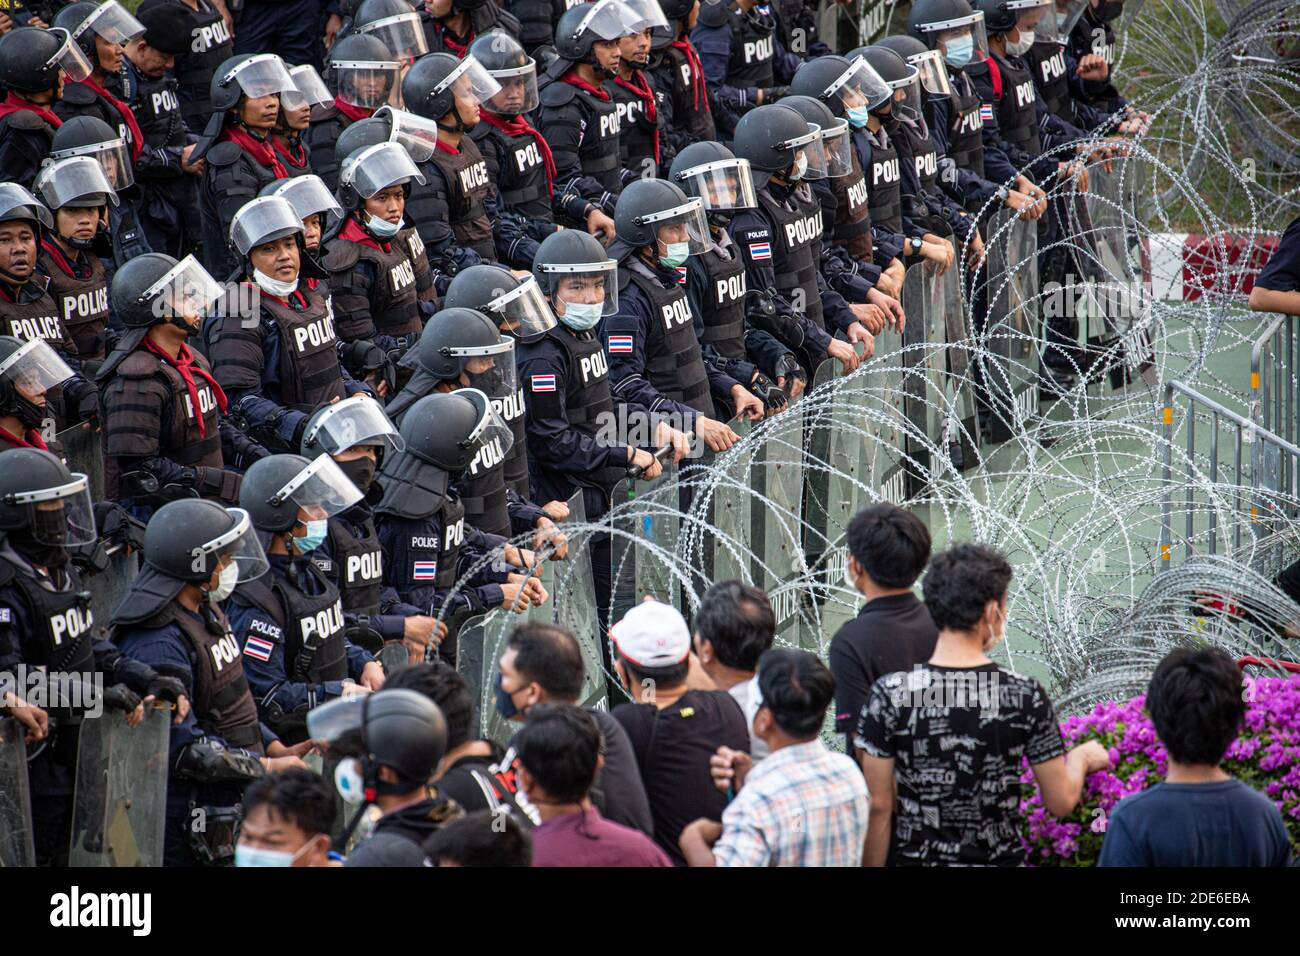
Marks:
<point>457,47</point>
<point>518,126</point>
<point>447,147</point>
<point>13,103</point>
<point>641,87</point>
<point>352,112</point>
<point>32,439</point>
<point>261,150</point>
<point>137,138</point>
<point>60,260</point>
<point>185,364</point>
<point>573,79</point>
<point>353,231</point>
<point>699,91</point>
<point>298,160</point>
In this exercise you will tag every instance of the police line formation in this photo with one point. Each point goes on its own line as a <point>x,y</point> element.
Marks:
<point>528,312</point>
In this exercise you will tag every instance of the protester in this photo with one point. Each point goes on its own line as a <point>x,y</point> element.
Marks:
<point>480,839</point>
<point>287,821</point>
<point>733,628</point>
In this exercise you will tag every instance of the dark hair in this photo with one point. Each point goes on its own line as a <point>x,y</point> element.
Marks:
<point>297,795</point>
<point>961,581</point>
<point>890,543</point>
<point>674,675</point>
<point>737,620</point>
<point>443,685</point>
<point>797,688</point>
<point>478,839</point>
<point>550,656</point>
<point>1196,704</point>
<point>558,746</point>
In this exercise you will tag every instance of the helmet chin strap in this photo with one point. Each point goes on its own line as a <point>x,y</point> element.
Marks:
<point>460,126</point>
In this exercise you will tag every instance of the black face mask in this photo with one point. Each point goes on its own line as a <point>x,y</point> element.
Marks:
<point>26,411</point>
<point>360,471</point>
<point>491,382</point>
<point>44,542</point>
<point>721,218</point>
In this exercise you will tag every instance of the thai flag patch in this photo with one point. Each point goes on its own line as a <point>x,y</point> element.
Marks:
<point>620,343</point>
<point>986,111</point>
<point>543,383</point>
<point>681,275</point>
<point>258,649</point>
<point>760,250</point>
<point>425,570</point>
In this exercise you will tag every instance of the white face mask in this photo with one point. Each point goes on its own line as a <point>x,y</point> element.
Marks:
<point>227,578</point>
<point>849,580</point>
<point>800,168</point>
<point>274,286</point>
<point>1021,47</point>
<point>349,781</point>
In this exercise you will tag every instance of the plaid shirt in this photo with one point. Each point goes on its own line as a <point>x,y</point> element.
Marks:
<point>802,806</point>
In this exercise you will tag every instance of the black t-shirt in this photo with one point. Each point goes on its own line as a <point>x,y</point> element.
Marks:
<point>1282,271</point>
<point>618,792</point>
<point>889,634</point>
<point>673,747</point>
<point>957,736</point>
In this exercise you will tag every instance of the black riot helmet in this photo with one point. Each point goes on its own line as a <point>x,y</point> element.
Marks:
<point>933,74</point>
<point>573,258</point>
<point>77,182</point>
<point>512,68</point>
<point>155,288</point>
<point>947,25</point>
<point>452,338</point>
<point>31,59</point>
<point>19,205</point>
<point>91,136</point>
<point>27,371</point>
<point>431,87</point>
<point>308,195</point>
<point>362,71</point>
<point>581,26</point>
<point>276,488</point>
<point>832,156</point>
<point>359,420</point>
<point>905,46</point>
<point>447,429</point>
<point>373,169</point>
<point>42,503</point>
<point>110,20</point>
<point>370,131</point>
<point>248,74</point>
<point>771,138</point>
<point>193,538</point>
<point>898,74</point>
<point>515,304</point>
<point>646,206</point>
<point>396,728</point>
<point>712,172</point>
<point>839,82</point>
<point>396,24</point>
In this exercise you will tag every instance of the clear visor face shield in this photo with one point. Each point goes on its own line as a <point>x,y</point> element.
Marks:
<point>610,20</point>
<point>1068,12</point>
<point>906,97</point>
<point>962,41</point>
<point>15,197</point>
<point>378,167</point>
<point>63,516</point>
<point>518,93</point>
<point>402,34</point>
<point>358,420</point>
<point>522,312</point>
<point>113,157</point>
<point>320,490</point>
<point>1037,17</point>
<point>69,58</point>
<point>66,182</point>
<point>722,186</point>
<point>491,428</point>
<point>112,22</point>
<point>931,72</point>
<point>811,149</point>
<point>586,283</point>
<point>309,196</point>
<point>681,224</point>
<point>858,86</point>
<point>470,81</point>
<point>367,83</point>
<point>186,292</point>
<point>837,149</point>
<point>262,75</point>
<point>34,369</point>
<point>417,135</point>
<point>648,13</point>
<point>238,546</point>
<point>259,220</point>
<point>339,717</point>
<point>309,90</point>
<point>490,368</point>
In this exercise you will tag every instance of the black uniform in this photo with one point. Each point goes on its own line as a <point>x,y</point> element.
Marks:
<point>210,46</point>
<point>582,127</point>
<point>79,288</point>
<point>25,139</point>
<point>482,19</point>
<point>688,110</point>
<point>456,193</point>
<point>373,288</point>
<point>642,150</point>
<point>231,177</point>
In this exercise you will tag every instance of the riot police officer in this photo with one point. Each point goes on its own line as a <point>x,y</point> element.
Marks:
<point>744,61</point>
<point>1056,71</point>
<point>314,204</point>
<point>101,31</point>
<point>363,75</point>
<point>207,45</point>
<point>537,20</point>
<point>456,191</point>
<point>421,521</point>
<point>1092,43</point>
<point>642,108</point>
<point>289,622</point>
<point>357,434</point>
<point>519,160</point>
<point>168,180</point>
<point>677,70</point>
<point>372,275</point>
<point>577,116</point>
<point>162,407</point>
<point>171,619</point>
<point>655,360</point>
<point>28,372</point>
<point>396,24</point>
<point>46,622</point>
<point>287,138</point>
<point>238,157</point>
<point>78,196</point>
<point>452,26</point>
<point>715,279</point>
<point>277,372</point>
<point>33,65</point>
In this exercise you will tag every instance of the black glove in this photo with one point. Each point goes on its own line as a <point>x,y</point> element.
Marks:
<point>773,398</point>
<point>787,367</point>
<point>165,688</point>
<point>120,697</point>
<point>773,93</point>
<point>116,526</point>
<point>82,400</point>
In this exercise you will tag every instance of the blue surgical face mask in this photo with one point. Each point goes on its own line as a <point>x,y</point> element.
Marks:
<point>958,52</point>
<point>858,116</point>
<point>255,856</point>
<point>383,228</point>
<point>316,531</point>
<point>678,253</point>
<point>581,316</point>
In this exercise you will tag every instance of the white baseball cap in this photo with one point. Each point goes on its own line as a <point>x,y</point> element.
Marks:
<point>652,635</point>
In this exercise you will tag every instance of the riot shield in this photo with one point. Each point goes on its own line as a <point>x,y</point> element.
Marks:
<point>573,602</point>
<point>731,497</point>
<point>928,297</point>
<point>393,656</point>
<point>1010,340</point>
<point>16,847</point>
<point>120,801</point>
<point>645,526</point>
<point>776,518</point>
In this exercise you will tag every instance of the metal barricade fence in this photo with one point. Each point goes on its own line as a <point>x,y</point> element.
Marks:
<point>1273,400</point>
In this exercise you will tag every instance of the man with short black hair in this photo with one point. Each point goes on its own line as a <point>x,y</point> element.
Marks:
<point>674,730</point>
<point>733,627</point>
<point>287,821</point>
<point>1199,815</point>
<point>542,664</point>
<point>888,548</point>
<point>803,805</point>
<point>559,754</point>
<point>482,838</point>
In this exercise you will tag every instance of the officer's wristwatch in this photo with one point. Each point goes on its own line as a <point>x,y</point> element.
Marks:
<point>917,244</point>
<point>1003,193</point>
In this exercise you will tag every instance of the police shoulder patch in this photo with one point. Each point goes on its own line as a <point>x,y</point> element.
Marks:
<point>265,628</point>
<point>753,234</point>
